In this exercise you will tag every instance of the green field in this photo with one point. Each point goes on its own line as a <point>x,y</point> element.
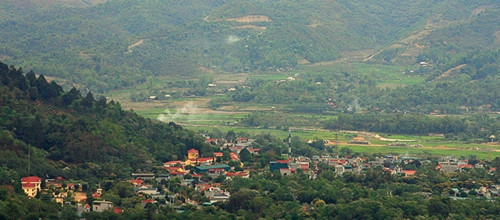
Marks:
<point>306,126</point>
<point>432,145</point>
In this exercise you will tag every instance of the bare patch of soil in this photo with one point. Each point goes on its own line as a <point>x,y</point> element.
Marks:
<point>138,106</point>
<point>138,43</point>
<point>447,73</point>
<point>480,9</point>
<point>303,62</point>
<point>255,27</point>
<point>80,196</point>
<point>83,54</point>
<point>497,37</point>
<point>250,18</point>
<point>53,3</point>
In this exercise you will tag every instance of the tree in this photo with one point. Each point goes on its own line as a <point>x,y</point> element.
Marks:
<point>124,189</point>
<point>245,155</point>
<point>69,212</point>
<point>439,206</point>
<point>231,136</point>
<point>70,96</point>
<point>88,101</point>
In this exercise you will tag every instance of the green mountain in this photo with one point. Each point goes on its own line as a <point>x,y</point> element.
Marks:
<point>45,131</point>
<point>119,43</point>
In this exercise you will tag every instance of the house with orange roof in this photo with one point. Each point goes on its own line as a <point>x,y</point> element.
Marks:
<point>213,141</point>
<point>202,187</point>
<point>235,149</point>
<point>175,163</point>
<point>465,166</point>
<point>231,175</point>
<point>234,156</point>
<point>253,151</point>
<point>304,166</point>
<point>137,183</point>
<point>205,160</point>
<point>342,162</point>
<point>176,174</point>
<point>196,175</point>
<point>31,185</point>
<point>241,140</point>
<point>200,161</point>
<point>287,171</point>
<point>193,153</point>
<point>279,164</point>
<point>408,172</point>
<point>179,169</point>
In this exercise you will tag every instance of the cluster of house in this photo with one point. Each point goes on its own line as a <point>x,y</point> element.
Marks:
<point>235,147</point>
<point>291,165</point>
<point>451,166</point>
<point>491,191</point>
<point>213,192</point>
<point>388,163</point>
<point>202,165</point>
<point>213,167</point>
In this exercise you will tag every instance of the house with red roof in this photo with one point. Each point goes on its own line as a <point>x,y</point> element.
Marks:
<point>117,210</point>
<point>215,172</point>
<point>147,201</point>
<point>31,185</point>
<point>218,154</point>
<point>96,196</point>
<point>70,186</point>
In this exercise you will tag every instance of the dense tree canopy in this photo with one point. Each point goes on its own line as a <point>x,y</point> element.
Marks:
<point>89,136</point>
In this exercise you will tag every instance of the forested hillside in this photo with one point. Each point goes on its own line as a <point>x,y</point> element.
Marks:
<point>79,136</point>
<point>122,42</point>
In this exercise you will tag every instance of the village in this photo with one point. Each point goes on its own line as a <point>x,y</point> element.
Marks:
<point>198,180</point>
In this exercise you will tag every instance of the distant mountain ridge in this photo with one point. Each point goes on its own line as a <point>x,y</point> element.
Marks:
<point>179,37</point>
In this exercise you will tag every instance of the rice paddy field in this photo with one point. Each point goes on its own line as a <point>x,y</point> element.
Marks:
<point>194,113</point>
<point>206,121</point>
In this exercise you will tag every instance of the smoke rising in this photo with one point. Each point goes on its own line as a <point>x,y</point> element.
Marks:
<point>185,112</point>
